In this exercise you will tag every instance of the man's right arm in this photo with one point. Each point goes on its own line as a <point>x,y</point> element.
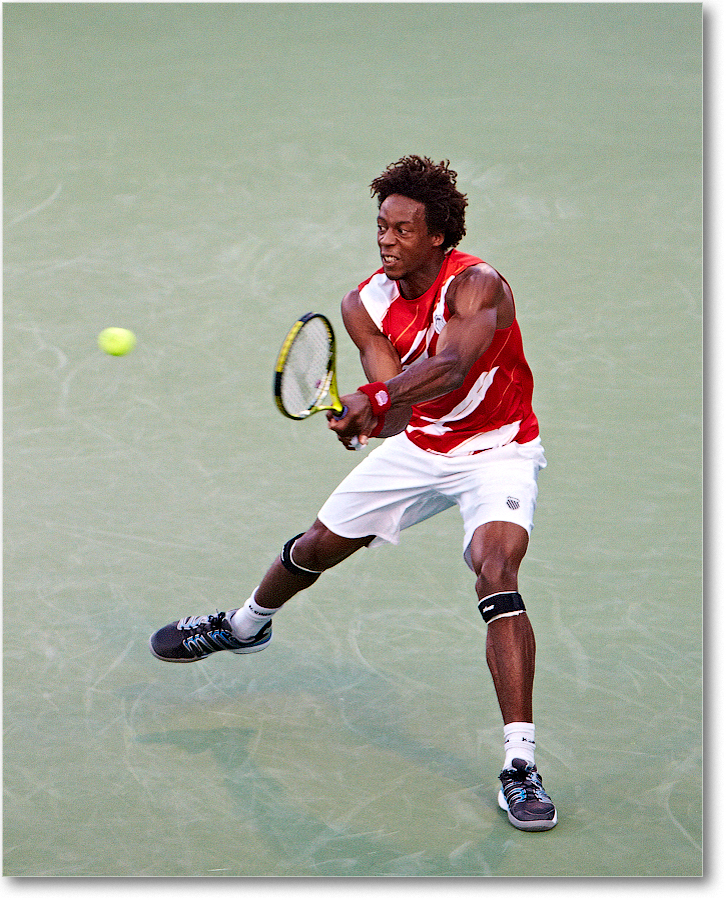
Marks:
<point>378,356</point>
<point>380,362</point>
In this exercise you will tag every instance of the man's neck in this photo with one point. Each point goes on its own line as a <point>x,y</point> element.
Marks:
<point>419,282</point>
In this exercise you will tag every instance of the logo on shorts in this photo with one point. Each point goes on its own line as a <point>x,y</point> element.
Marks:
<point>512,503</point>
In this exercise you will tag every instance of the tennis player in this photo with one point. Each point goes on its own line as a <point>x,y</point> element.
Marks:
<point>450,390</point>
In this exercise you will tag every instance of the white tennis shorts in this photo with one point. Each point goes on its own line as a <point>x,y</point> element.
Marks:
<point>398,485</point>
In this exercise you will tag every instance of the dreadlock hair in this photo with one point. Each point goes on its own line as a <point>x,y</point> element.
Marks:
<point>434,185</point>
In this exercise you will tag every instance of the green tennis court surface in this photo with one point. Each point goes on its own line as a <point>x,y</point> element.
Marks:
<point>198,173</point>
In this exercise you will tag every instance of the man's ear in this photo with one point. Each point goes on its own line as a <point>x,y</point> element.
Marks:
<point>437,240</point>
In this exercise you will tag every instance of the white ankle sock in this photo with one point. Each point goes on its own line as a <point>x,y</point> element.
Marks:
<point>250,618</point>
<point>519,743</point>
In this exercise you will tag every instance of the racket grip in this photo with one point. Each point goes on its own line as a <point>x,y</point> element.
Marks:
<point>354,442</point>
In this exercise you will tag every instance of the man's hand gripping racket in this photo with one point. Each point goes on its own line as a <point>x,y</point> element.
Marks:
<point>305,378</point>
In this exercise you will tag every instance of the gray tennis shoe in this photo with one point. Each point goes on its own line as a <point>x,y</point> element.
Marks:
<point>523,798</point>
<point>196,637</point>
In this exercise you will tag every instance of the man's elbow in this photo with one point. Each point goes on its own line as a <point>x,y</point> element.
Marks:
<point>454,370</point>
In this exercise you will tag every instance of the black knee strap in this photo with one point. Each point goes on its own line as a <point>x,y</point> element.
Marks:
<point>504,604</point>
<point>291,565</point>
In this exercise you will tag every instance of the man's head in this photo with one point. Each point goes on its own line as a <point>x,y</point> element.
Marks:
<point>433,185</point>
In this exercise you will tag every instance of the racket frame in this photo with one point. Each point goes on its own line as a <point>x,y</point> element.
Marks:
<point>328,385</point>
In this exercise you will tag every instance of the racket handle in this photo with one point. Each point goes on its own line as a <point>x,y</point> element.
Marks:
<point>354,442</point>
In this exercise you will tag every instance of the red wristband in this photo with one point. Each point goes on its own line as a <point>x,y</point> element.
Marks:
<point>378,395</point>
<point>380,403</point>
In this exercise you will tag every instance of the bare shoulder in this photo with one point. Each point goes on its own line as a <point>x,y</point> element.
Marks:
<point>351,299</point>
<point>480,276</point>
<point>353,311</point>
<point>481,287</point>
<point>356,319</point>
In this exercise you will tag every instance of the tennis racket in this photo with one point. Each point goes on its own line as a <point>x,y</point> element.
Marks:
<point>305,379</point>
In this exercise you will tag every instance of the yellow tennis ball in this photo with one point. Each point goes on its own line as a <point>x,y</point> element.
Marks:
<point>117,341</point>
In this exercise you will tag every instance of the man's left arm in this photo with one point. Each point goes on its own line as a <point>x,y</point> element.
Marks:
<point>475,299</point>
<point>479,303</point>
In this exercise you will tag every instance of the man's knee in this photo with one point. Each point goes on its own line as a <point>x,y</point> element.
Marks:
<point>291,564</point>
<point>497,552</point>
<point>318,549</point>
<point>497,572</point>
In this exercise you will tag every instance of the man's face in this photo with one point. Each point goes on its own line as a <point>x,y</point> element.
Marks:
<point>404,240</point>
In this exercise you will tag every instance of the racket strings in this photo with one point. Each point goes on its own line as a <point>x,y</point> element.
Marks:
<point>306,374</point>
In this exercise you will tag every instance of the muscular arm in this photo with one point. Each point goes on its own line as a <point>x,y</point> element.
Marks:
<point>377,354</point>
<point>479,302</point>
<point>380,362</point>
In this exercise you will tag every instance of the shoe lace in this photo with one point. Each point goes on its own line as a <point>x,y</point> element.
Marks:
<point>202,623</point>
<point>535,786</point>
<point>526,784</point>
<point>516,792</point>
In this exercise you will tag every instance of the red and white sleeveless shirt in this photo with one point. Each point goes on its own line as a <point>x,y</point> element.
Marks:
<point>494,405</point>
